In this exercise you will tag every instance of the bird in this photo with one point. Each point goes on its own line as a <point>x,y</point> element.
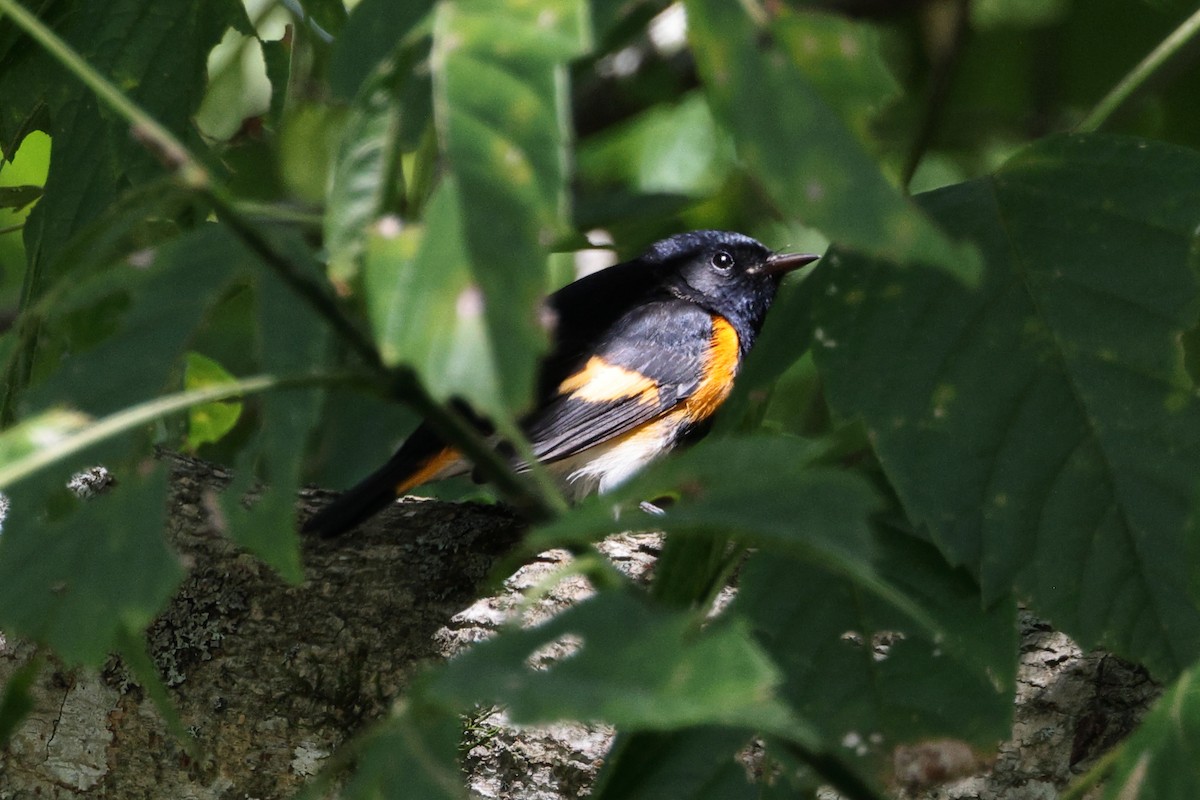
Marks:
<point>643,354</point>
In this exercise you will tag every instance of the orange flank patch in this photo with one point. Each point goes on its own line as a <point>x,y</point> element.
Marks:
<point>439,465</point>
<point>719,371</point>
<point>601,382</point>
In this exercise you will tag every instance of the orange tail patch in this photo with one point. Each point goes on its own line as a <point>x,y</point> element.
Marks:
<point>439,465</point>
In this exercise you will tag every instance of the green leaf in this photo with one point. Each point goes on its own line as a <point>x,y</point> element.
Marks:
<point>1159,760</point>
<point>843,61</point>
<point>797,145</point>
<point>76,580</point>
<point>500,109</point>
<point>765,491</point>
<point>293,340</point>
<point>626,663</point>
<point>127,328</point>
<point>328,15</point>
<point>1042,426</point>
<point>211,421</point>
<point>307,148</point>
<point>158,56</point>
<point>667,148</point>
<point>366,172</point>
<point>17,197</point>
<point>425,307</point>
<point>696,763</point>
<point>872,677</point>
<point>370,35</point>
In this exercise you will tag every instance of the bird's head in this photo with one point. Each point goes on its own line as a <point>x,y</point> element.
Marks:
<point>726,273</point>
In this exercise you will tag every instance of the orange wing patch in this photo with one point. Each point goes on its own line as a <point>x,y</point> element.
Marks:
<point>724,359</point>
<point>438,466</point>
<point>602,382</point>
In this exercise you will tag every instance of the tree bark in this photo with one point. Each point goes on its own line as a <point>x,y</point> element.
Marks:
<point>271,679</point>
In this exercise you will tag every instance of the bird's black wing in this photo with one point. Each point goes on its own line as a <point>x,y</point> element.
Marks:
<point>654,358</point>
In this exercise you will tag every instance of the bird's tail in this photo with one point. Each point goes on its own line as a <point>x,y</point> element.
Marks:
<point>416,462</point>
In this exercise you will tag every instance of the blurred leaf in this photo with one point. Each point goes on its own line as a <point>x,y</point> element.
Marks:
<point>211,421</point>
<point>1017,13</point>
<point>666,149</point>
<point>366,173</point>
<point>345,444</point>
<point>502,114</point>
<point>765,491</point>
<point>622,662</point>
<point>17,197</point>
<point>76,580</point>
<point>370,35</point>
<point>277,63</point>
<point>153,52</point>
<point>1158,759</point>
<point>412,754</point>
<point>37,432</point>
<point>696,763</point>
<point>425,307</point>
<point>842,60</point>
<point>329,15</point>
<point>885,679</point>
<point>129,326</point>
<point>1042,426</point>
<point>307,148</point>
<point>797,145</point>
<point>293,340</point>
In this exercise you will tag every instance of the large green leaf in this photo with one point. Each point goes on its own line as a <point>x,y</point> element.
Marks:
<point>371,33</point>
<point>126,329</point>
<point>842,59</point>
<point>765,491</point>
<point>425,308</point>
<point>1042,426</point>
<point>1159,760</point>
<point>668,149</point>
<point>794,142</point>
<point>626,663</point>
<point>696,763</point>
<point>75,581</point>
<point>502,116</point>
<point>870,676</point>
<point>367,179</point>
<point>153,53</point>
<point>292,340</point>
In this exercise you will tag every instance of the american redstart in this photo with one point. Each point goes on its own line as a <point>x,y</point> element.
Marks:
<point>643,354</point>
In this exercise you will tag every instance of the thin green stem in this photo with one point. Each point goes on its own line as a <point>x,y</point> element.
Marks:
<point>1140,74</point>
<point>143,413</point>
<point>12,228</point>
<point>275,212</point>
<point>145,128</point>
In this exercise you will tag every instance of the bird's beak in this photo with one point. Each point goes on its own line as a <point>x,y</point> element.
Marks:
<point>783,263</point>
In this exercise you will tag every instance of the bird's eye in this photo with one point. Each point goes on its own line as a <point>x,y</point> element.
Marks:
<point>722,261</point>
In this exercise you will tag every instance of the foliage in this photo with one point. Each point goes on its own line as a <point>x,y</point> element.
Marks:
<point>999,404</point>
